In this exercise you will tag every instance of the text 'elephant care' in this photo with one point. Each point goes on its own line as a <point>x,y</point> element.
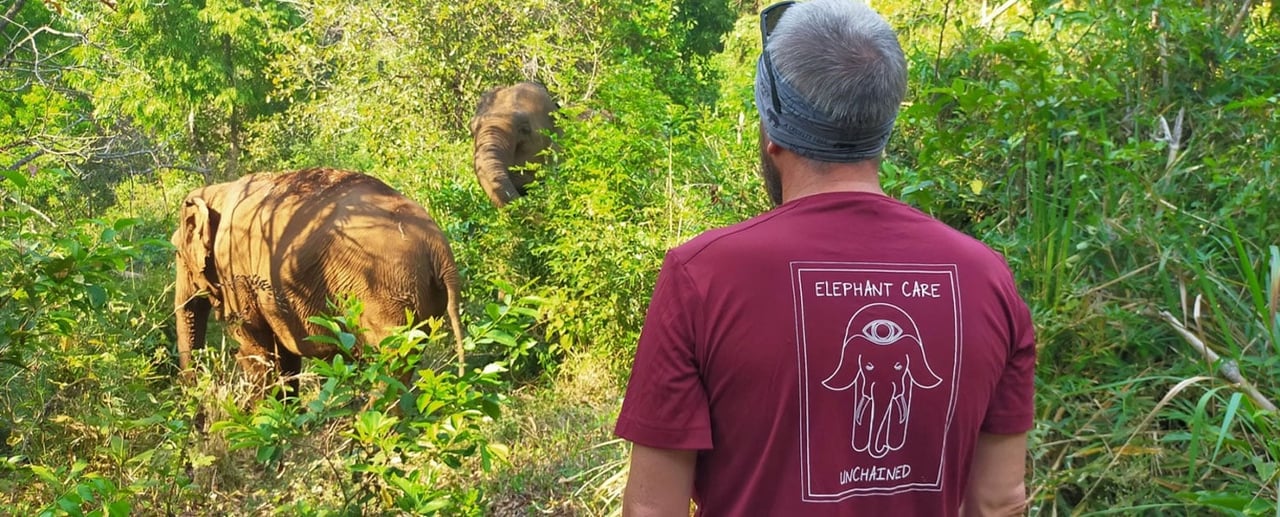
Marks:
<point>879,350</point>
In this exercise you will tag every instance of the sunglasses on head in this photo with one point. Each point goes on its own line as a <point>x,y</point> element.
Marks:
<point>769,18</point>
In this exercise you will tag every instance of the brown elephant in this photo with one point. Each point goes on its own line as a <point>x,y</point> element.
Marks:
<point>511,128</point>
<point>268,251</point>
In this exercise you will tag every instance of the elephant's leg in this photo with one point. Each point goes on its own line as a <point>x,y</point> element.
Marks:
<point>256,355</point>
<point>257,362</point>
<point>380,321</point>
<point>290,367</point>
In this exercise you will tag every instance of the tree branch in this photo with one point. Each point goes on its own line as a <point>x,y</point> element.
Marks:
<point>1228,368</point>
<point>1239,21</point>
<point>10,14</point>
<point>25,159</point>
<point>29,208</point>
<point>991,17</point>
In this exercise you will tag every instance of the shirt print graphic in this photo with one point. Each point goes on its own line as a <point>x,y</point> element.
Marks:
<point>878,347</point>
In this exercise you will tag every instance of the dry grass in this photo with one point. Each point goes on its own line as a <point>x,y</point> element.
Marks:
<point>561,440</point>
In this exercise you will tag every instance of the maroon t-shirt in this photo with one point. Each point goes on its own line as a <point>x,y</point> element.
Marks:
<point>837,355</point>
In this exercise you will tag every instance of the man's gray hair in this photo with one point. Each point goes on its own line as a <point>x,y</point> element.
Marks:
<point>843,58</point>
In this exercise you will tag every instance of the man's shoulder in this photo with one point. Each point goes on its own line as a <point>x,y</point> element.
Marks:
<point>726,238</point>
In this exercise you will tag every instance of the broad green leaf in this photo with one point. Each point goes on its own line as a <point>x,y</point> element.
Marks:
<point>119,509</point>
<point>17,178</point>
<point>45,474</point>
<point>97,295</point>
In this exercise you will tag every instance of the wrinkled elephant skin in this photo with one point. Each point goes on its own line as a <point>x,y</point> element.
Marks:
<point>266,252</point>
<point>511,128</point>
<point>883,360</point>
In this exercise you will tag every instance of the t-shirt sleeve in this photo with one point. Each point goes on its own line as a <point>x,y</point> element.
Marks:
<point>665,405</point>
<point>1012,407</point>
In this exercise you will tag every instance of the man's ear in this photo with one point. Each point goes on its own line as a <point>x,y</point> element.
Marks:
<point>772,148</point>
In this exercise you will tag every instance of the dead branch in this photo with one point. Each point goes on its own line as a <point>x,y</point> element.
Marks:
<point>1239,21</point>
<point>1227,368</point>
<point>29,208</point>
<point>995,13</point>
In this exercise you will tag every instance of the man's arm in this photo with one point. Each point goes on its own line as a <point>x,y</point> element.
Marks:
<point>996,484</point>
<point>660,482</point>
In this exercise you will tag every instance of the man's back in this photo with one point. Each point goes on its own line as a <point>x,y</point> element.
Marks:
<point>837,355</point>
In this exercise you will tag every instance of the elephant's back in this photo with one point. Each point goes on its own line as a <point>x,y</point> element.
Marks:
<point>360,236</point>
<point>334,216</point>
<point>344,203</point>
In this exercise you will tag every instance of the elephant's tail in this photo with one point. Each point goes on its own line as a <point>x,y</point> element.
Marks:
<point>453,287</point>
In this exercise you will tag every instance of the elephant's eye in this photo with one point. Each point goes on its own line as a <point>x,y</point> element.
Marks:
<point>870,367</point>
<point>897,366</point>
<point>882,332</point>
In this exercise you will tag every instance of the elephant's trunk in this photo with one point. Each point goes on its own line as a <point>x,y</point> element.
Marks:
<point>192,315</point>
<point>886,394</point>
<point>494,152</point>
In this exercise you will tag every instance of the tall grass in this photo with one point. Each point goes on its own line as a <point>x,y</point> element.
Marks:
<point>1112,209</point>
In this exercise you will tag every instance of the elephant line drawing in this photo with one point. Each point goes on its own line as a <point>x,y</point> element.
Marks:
<point>267,251</point>
<point>883,360</point>
<point>511,128</point>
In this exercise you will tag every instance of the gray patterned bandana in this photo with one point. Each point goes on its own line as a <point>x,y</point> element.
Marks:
<point>807,132</point>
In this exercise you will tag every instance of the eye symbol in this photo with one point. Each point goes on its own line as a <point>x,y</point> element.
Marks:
<point>897,366</point>
<point>882,332</point>
<point>870,367</point>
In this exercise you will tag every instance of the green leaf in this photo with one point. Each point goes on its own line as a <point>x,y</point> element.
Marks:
<point>502,337</point>
<point>436,505</point>
<point>70,503</point>
<point>266,453</point>
<point>16,177</point>
<point>121,224</point>
<point>199,460</point>
<point>97,296</point>
<point>119,509</point>
<point>1232,406</point>
<point>44,474</point>
<point>85,493</point>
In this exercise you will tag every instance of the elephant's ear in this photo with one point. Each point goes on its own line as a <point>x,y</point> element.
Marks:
<point>486,104</point>
<point>847,373</point>
<point>195,235</point>
<point>917,366</point>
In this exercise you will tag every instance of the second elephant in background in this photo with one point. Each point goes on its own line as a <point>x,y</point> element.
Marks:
<point>511,127</point>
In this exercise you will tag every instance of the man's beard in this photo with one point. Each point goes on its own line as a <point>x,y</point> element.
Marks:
<point>772,179</point>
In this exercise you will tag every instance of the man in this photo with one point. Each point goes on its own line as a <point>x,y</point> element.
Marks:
<point>843,353</point>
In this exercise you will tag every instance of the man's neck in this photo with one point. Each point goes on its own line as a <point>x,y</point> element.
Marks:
<point>851,177</point>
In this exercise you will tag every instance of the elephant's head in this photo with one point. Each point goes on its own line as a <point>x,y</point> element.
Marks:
<point>882,359</point>
<point>196,287</point>
<point>510,130</point>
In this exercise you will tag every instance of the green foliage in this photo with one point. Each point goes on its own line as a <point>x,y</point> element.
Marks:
<point>79,491</point>
<point>404,440</point>
<point>206,76</point>
<point>41,119</point>
<point>506,328</point>
<point>49,282</point>
<point>1101,175</point>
